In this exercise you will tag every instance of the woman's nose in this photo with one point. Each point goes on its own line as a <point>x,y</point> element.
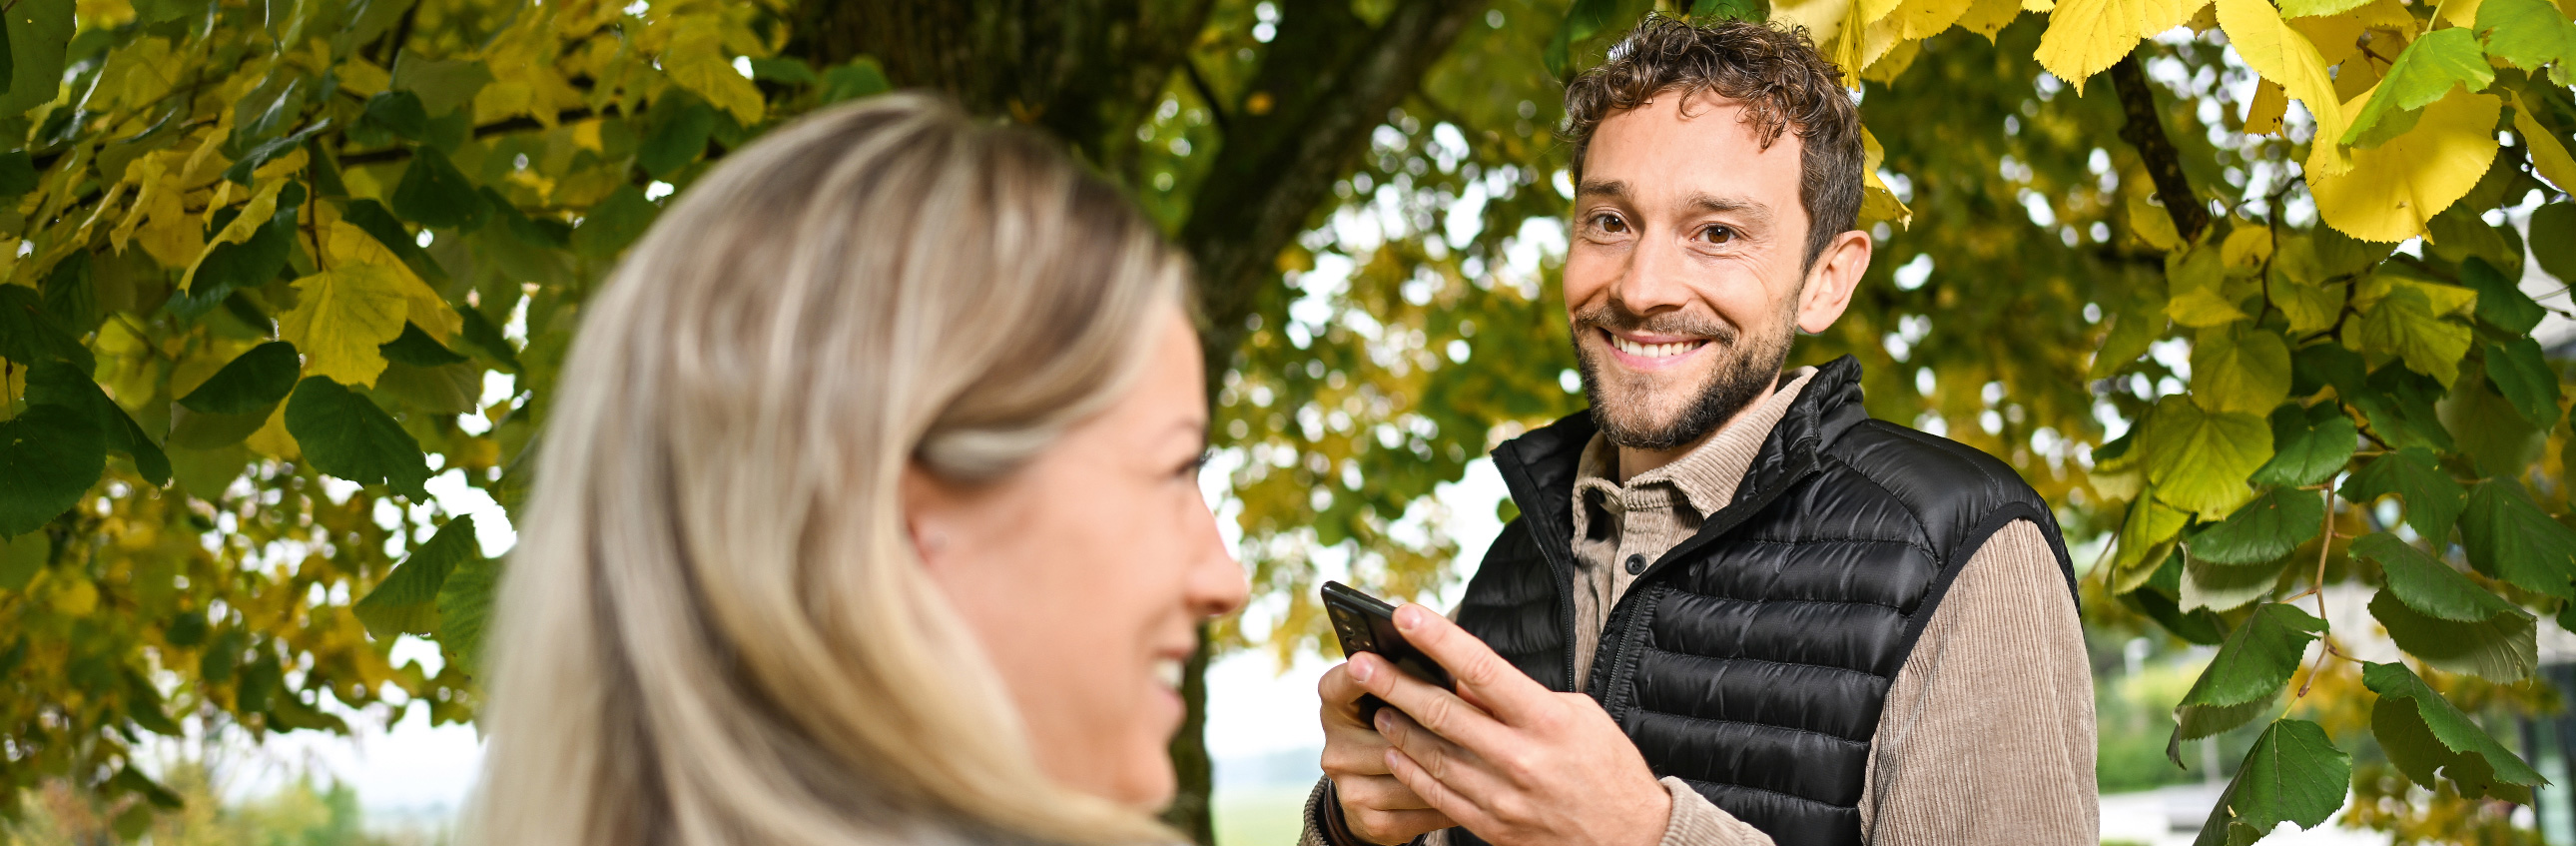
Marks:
<point>1217,585</point>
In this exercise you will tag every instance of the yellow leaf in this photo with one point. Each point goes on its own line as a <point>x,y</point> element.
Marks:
<point>2444,300</point>
<point>350,245</point>
<point>2237,369</point>
<point>1876,201</point>
<point>2246,248</point>
<point>2152,224</point>
<point>2393,189</point>
<point>2460,12</point>
<point>160,222</point>
<point>2263,116</point>
<point>2197,301</point>
<point>363,77</point>
<point>2040,6</point>
<point>1987,17</point>
<point>1920,19</point>
<point>2085,37</point>
<point>1823,19</point>
<point>695,61</point>
<point>2291,62</point>
<point>272,440</point>
<point>1873,11</point>
<point>2547,155</point>
<point>2407,324</point>
<point>254,214</point>
<point>341,316</point>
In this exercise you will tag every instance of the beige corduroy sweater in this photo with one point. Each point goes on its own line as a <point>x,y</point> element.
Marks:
<point>1988,732</point>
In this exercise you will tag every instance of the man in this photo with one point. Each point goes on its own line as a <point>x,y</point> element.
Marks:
<point>1787,623</point>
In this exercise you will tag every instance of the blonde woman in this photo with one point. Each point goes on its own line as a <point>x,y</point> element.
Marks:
<point>867,511</point>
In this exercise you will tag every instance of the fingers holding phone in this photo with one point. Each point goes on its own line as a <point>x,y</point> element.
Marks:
<point>1375,806</point>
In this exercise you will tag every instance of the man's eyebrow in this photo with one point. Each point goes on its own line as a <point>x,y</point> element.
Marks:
<point>1751,211</point>
<point>1610,188</point>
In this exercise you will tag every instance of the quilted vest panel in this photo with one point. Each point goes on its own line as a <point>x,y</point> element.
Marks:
<point>1753,659</point>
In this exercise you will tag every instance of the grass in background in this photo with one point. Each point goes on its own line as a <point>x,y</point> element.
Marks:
<point>1260,816</point>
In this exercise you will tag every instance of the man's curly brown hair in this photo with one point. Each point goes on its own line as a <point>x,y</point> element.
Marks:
<point>1784,84</point>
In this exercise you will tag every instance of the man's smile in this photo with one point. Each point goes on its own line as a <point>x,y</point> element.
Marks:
<point>1651,352</point>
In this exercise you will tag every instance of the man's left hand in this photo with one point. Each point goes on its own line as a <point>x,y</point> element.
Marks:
<point>1505,757</point>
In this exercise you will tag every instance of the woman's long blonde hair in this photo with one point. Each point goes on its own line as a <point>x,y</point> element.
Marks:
<point>714,629</point>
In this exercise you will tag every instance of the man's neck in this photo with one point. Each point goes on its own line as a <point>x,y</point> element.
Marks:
<point>1633,461</point>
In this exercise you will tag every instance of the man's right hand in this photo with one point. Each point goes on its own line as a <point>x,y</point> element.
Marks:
<point>1375,806</point>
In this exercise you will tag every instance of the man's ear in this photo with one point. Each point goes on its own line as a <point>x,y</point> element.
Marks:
<point>1830,283</point>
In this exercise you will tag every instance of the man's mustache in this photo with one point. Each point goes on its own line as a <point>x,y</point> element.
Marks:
<point>1671,323</point>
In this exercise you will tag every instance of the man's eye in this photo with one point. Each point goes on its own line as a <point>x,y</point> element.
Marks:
<point>1717,235</point>
<point>1609,223</point>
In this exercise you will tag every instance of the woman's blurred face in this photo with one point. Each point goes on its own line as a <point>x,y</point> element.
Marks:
<point>1086,573</point>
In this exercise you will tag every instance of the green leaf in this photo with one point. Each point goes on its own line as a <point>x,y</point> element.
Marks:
<point>616,222</point>
<point>2424,732</point>
<point>2525,379</point>
<point>406,602</point>
<point>784,70</point>
<point>398,112</point>
<point>860,78</point>
<point>346,435</point>
<point>259,155</point>
<point>30,335</point>
<point>2405,324</point>
<point>2510,538</point>
<point>465,608</point>
<point>252,383</point>
<point>480,332</point>
<point>2306,453</point>
<point>2131,334</point>
<point>1585,19</point>
<point>2499,302</point>
<point>2526,33</point>
<point>418,349</point>
<point>50,455</point>
<point>2248,672</point>
<point>130,780</point>
<point>2263,530</point>
<point>2293,774</point>
<point>1731,10</point>
<point>2428,585</point>
<point>434,194</point>
<point>2557,255</point>
<point>17,168</point>
<point>675,132</point>
<point>2502,649</point>
<point>389,231</point>
<point>441,84</point>
<point>57,383</point>
<point>39,32</point>
<point>2227,587</point>
<point>2146,535</point>
<point>230,266</point>
<point>2239,369</point>
<point>2432,497</point>
<point>2197,460</point>
<point>2426,71</point>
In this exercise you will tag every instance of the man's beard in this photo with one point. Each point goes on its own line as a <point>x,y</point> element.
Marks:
<point>1748,363</point>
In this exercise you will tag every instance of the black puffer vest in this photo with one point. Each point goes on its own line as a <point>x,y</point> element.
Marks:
<point>1754,658</point>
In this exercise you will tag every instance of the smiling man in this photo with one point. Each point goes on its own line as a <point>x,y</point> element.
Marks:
<point>1735,610</point>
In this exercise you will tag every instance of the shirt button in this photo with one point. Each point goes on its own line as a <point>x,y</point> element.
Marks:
<point>1636,564</point>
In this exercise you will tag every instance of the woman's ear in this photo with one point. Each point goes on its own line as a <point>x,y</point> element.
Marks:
<point>928,508</point>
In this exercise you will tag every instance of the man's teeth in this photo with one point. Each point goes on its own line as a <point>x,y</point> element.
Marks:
<point>1652,350</point>
<point>1168,671</point>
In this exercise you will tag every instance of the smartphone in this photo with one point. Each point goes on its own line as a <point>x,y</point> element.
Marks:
<point>1366,623</point>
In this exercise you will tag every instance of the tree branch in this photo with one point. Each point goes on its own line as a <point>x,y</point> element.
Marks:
<point>1331,78</point>
<point>2145,130</point>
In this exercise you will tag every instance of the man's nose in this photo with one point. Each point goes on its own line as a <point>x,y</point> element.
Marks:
<point>1653,280</point>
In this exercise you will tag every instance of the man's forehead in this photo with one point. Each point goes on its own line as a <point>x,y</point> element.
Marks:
<point>1699,152</point>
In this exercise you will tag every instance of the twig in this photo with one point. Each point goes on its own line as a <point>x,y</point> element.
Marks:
<point>2145,131</point>
<point>2325,549</point>
<point>1207,94</point>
